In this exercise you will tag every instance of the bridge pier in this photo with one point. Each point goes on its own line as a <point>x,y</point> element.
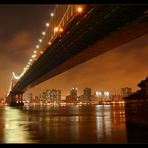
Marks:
<point>20,103</point>
<point>12,99</point>
<point>16,99</point>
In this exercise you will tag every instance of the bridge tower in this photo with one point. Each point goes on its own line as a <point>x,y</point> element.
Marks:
<point>14,98</point>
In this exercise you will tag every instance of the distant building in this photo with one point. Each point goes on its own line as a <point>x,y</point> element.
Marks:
<point>50,95</point>
<point>29,97</point>
<point>44,95</point>
<point>126,91</point>
<point>102,95</point>
<point>54,95</point>
<point>87,93</point>
<point>73,95</point>
<point>68,99</point>
<point>36,99</point>
<point>116,97</point>
<point>73,92</point>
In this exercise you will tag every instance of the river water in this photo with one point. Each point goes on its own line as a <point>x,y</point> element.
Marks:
<point>68,124</point>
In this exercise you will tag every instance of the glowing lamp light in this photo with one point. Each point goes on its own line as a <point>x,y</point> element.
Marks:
<point>30,60</point>
<point>43,33</point>
<point>47,24</point>
<point>52,14</point>
<point>34,51</point>
<point>56,29</point>
<point>37,46</point>
<point>49,43</point>
<point>61,30</point>
<point>107,93</point>
<point>41,52</point>
<point>79,9</point>
<point>34,56</point>
<point>40,40</point>
<point>100,93</point>
<point>97,93</point>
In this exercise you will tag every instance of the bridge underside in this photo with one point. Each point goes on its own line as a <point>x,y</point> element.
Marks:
<point>101,29</point>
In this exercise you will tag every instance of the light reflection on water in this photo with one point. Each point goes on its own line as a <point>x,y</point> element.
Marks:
<point>63,124</point>
<point>15,130</point>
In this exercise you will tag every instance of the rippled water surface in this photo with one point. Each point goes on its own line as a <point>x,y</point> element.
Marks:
<point>67,124</point>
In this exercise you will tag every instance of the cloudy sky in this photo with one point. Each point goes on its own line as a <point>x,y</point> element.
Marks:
<point>20,29</point>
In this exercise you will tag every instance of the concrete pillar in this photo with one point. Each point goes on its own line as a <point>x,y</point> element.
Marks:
<point>13,99</point>
<point>19,99</point>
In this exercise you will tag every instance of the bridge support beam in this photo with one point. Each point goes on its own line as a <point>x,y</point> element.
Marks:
<point>21,99</point>
<point>12,99</point>
<point>16,99</point>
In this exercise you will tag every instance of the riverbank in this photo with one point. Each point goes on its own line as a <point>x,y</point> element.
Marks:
<point>136,112</point>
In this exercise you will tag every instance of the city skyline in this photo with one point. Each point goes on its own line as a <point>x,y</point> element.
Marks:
<point>79,93</point>
<point>110,71</point>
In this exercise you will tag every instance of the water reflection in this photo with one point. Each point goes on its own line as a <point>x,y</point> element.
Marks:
<point>63,124</point>
<point>111,124</point>
<point>15,129</point>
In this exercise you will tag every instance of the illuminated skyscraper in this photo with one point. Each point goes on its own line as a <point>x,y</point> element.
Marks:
<point>53,95</point>
<point>73,92</point>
